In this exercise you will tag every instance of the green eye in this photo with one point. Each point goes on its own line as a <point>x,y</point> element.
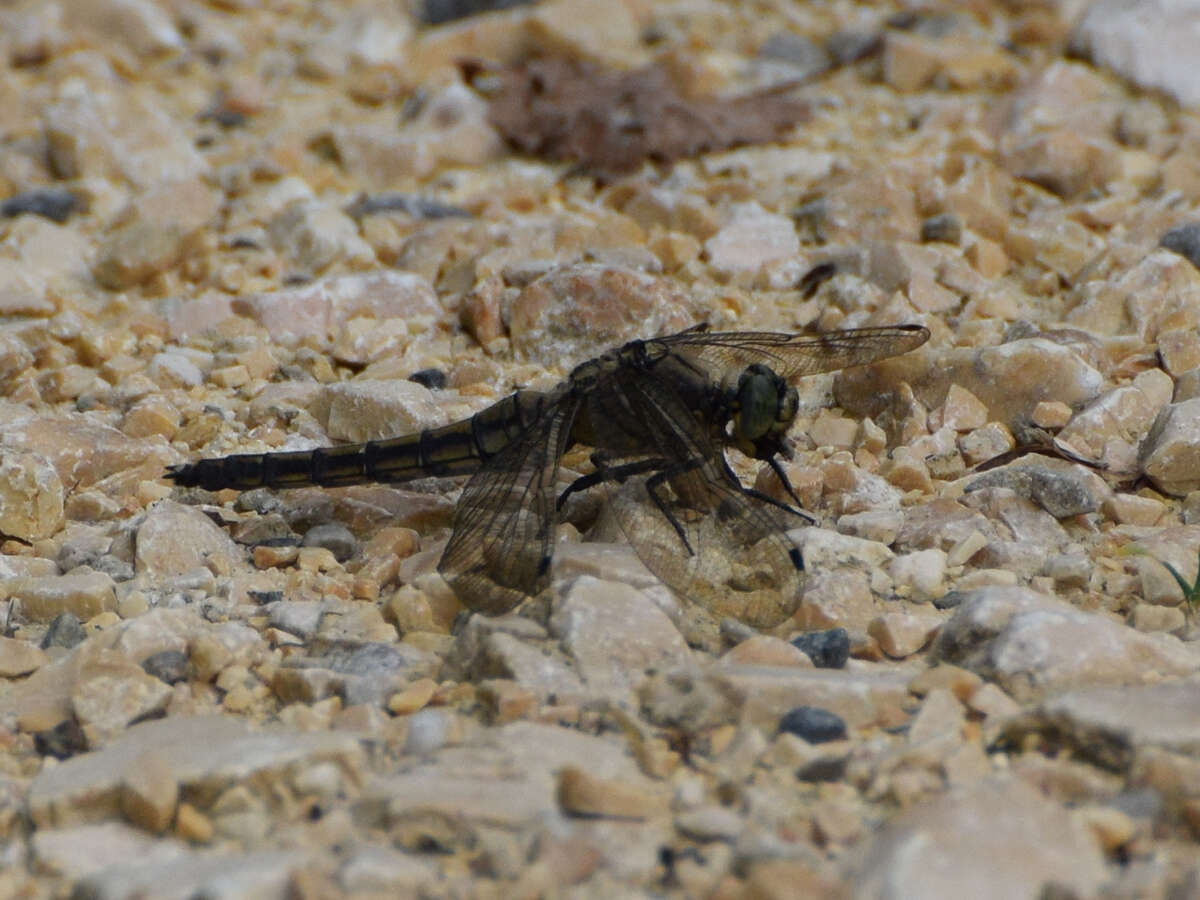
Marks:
<point>758,402</point>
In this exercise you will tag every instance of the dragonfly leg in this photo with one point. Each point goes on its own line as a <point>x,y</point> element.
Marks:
<point>796,510</point>
<point>604,472</point>
<point>653,484</point>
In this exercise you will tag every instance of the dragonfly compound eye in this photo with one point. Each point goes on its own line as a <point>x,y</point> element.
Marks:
<point>760,396</point>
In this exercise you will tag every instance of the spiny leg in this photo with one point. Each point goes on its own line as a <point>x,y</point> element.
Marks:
<point>604,472</point>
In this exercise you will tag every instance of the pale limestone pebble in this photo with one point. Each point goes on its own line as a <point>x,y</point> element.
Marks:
<point>901,634</point>
<point>203,753</point>
<point>576,28</point>
<point>1011,379</point>
<point>854,489</point>
<point>581,793</point>
<point>111,692</point>
<point>311,236</point>
<point>149,793</point>
<point>940,714</point>
<point>365,37</point>
<point>1133,509</point>
<point>944,676</point>
<point>765,650</point>
<point>504,776</point>
<point>1051,414</point>
<point>137,25</point>
<point>363,410</point>
<point>174,539</point>
<point>369,673</point>
<point>1114,725</point>
<point>154,415</point>
<point>874,697</point>
<point>1148,43</point>
<point>1109,430</point>
<point>961,411</point>
<point>572,312</point>
<point>614,634</point>
<point>943,849</point>
<point>710,823</point>
<point>319,309</point>
<point>922,572</point>
<point>1179,350</point>
<point>880,526</point>
<point>501,655</point>
<point>1031,644</point>
<point>837,599</point>
<point>1067,163</point>
<point>1150,617</point>
<point>77,852</point>
<point>175,368</point>
<point>1170,453</point>
<point>20,657</point>
<point>383,871</point>
<point>31,496</point>
<point>122,134</point>
<point>41,263</point>
<point>155,234</point>
<point>908,470</point>
<point>933,455</point>
<point>84,594</point>
<point>750,240</point>
<point>986,443</point>
<point>912,61</point>
<point>504,701</point>
<point>1161,291</point>
<point>831,430</point>
<point>450,129</point>
<point>1159,586</point>
<point>992,702</point>
<point>1060,487</point>
<point>85,452</point>
<point>1069,570</point>
<point>264,872</point>
<point>771,163</point>
<point>825,550</point>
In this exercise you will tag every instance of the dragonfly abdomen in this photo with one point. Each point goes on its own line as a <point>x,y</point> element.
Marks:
<point>457,449</point>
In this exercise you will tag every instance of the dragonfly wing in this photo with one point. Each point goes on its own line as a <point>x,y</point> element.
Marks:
<point>692,522</point>
<point>504,525</point>
<point>726,353</point>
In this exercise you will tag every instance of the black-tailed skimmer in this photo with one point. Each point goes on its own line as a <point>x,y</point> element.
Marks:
<point>659,414</point>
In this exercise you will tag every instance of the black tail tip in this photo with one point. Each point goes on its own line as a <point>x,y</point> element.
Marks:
<point>183,474</point>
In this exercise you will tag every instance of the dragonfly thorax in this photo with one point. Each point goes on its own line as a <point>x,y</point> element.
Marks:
<point>764,407</point>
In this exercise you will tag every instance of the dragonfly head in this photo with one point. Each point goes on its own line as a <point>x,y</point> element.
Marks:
<point>764,407</point>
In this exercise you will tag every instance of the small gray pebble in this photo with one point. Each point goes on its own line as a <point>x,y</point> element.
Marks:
<point>945,228</point>
<point>827,649</point>
<point>168,666</point>
<point>65,631</point>
<point>335,538</point>
<point>1184,240</point>
<point>815,725</point>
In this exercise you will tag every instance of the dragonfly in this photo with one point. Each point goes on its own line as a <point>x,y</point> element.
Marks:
<point>660,415</point>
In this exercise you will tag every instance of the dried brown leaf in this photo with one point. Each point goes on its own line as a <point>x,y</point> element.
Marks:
<point>611,122</point>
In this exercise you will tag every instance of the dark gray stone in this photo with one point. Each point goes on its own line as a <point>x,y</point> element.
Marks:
<point>827,649</point>
<point>337,539</point>
<point>51,203</point>
<point>1184,240</point>
<point>815,725</point>
<point>169,666</point>
<point>65,631</point>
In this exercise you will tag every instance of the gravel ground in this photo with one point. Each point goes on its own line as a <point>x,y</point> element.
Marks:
<point>243,226</point>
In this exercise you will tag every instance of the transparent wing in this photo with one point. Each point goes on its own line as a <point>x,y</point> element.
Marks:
<point>504,525</point>
<point>691,522</point>
<point>724,353</point>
